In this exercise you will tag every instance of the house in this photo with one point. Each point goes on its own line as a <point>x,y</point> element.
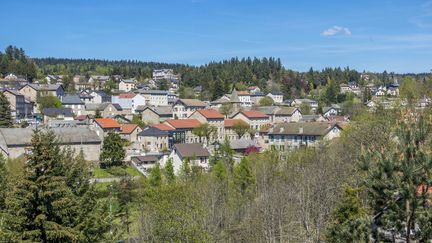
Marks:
<point>129,100</point>
<point>229,131</point>
<point>182,132</point>
<point>194,152</point>
<point>312,118</point>
<point>244,98</point>
<point>127,85</point>
<point>183,108</point>
<point>276,96</point>
<point>154,97</point>
<point>100,97</point>
<point>213,118</point>
<point>240,146</point>
<point>254,89</point>
<point>103,126</point>
<point>167,74</point>
<point>105,109</point>
<point>255,119</point>
<point>145,163</point>
<point>75,103</point>
<point>285,136</point>
<point>130,132</point>
<point>155,114</point>
<point>256,97</point>
<point>153,139</point>
<point>281,114</point>
<point>15,78</point>
<point>97,82</point>
<point>57,114</point>
<point>34,91</point>
<point>312,103</point>
<point>18,105</point>
<point>330,111</point>
<point>172,98</point>
<point>54,79</point>
<point>86,97</point>
<point>15,142</point>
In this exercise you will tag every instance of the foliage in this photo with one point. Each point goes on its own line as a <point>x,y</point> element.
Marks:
<point>206,131</point>
<point>305,109</point>
<point>49,102</point>
<point>266,101</point>
<point>409,90</point>
<point>136,119</point>
<point>226,109</point>
<point>5,112</point>
<point>113,152</point>
<point>98,114</point>
<point>240,128</point>
<point>15,61</point>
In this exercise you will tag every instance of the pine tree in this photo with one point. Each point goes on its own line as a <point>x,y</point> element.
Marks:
<point>155,177</point>
<point>3,183</point>
<point>244,178</point>
<point>5,112</point>
<point>397,179</point>
<point>41,208</point>
<point>113,152</point>
<point>169,171</point>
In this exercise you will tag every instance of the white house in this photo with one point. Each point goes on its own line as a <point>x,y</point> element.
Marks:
<point>129,100</point>
<point>127,85</point>
<point>154,97</point>
<point>276,96</point>
<point>183,108</point>
<point>244,98</point>
<point>197,154</point>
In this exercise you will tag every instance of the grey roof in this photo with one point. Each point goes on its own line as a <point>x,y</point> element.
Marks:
<point>188,150</point>
<point>72,100</point>
<point>53,112</point>
<point>10,137</point>
<point>234,97</point>
<point>154,92</point>
<point>243,143</point>
<point>160,110</point>
<point>221,100</point>
<point>306,128</point>
<point>192,102</point>
<point>131,81</point>
<point>47,87</point>
<point>268,110</point>
<point>153,132</point>
<point>145,159</point>
<point>101,106</point>
<point>13,91</point>
<point>308,118</point>
<point>276,93</point>
<point>101,93</point>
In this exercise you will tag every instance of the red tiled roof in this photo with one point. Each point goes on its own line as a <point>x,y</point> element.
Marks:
<point>163,127</point>
<point>231,122</point>
<point>240,93</point>
<point>211,114</point>
<point>81,117</point>
<point>183,123</point>
<point>128,128</point>
<point>254,114</point>
<point>107,123</point>
<point>127,95</point>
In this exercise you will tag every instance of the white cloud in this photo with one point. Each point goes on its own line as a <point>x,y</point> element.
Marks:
<point>335,30</point>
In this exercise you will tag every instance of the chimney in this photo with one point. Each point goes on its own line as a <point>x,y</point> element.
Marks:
<point>301,130</point>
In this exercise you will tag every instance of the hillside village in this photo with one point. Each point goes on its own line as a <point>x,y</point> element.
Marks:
<point>158,125</point>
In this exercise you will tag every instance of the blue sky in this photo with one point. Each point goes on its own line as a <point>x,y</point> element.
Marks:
<point>372,35</point>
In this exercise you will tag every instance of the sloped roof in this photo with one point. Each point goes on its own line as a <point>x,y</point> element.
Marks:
<point>46,87</point>
<point>188,150</point>
<point>243,93</point>
<point>53,112</point>
<point>128,128</point>
<point>163,127</point>
<point>160,110</point>
<point>145,159</point>
<point>71,99</point>
<point>183,123</point>
<point>192,102</point>
<point>243,143</point>
<point>13,91</point>
<point>231,122</point>
<point>211,114</point>
<point>234,97</point>
<point>70,135</point>
<point>221,100</point>
<point>127,95</point>
<point>101,106</point>
<point>107,123</point>
<point>153,132</point>
<point>254,114</point>
<point>286,111</point>
<point>303,128</point>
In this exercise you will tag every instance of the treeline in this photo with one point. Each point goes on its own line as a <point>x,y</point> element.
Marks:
<point>126,68</point>
<point>14,60</point>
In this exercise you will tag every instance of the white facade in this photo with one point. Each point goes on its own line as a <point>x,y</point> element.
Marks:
<point>277,97</point>
<point>126,85</point>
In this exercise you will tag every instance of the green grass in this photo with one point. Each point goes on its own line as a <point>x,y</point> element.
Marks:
<point>115,172</point>
<point>101,173</point>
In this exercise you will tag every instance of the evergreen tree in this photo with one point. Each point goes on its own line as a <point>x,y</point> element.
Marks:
<point>124,194</point>
<point>155,177</point>
<point>113,152</point>
<point>5,112</point>
<point>41,207</point>
<point>169,171</point>
<point>397,179</point>
<point>98,114</point>
<point>244,178</point>
<point>4,184</point>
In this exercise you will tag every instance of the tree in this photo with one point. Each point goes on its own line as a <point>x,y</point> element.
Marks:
<point>68,83</point>
<point>4,183</point>
<point>98,114</point>
<point>41,207</point>
<point>409,89</point>
<point>240,128</point>
<point>266,101</point>
<point>349,220</point>
<point>305,108</point>
<point>163,84</point>
<point>244,178</point>
<point>113,152</point>
<point>49,102</point>
<point>155,177</point>
<point>124,194</point>
<point>226,109</point>
<point>186,93</point>
<point>136,119</point>
<point>397,180</point>
<point>169,171</point>
<point>205,130</point>
<point>5,112</point>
